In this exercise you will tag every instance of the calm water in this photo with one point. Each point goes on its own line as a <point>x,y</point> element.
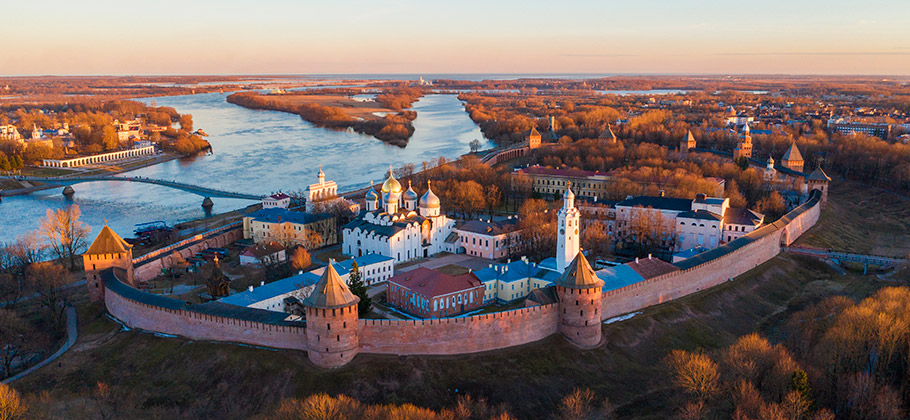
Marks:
<point>256,152</point>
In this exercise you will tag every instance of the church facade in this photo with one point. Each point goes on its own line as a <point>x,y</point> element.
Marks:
<point>399,225</point>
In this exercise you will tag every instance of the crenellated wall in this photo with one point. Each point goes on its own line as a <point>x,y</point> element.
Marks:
<point>715,266</point>
<point>149,265</point>
<point>458,335</point>
<point>220,322</point>
<point>209,321</point>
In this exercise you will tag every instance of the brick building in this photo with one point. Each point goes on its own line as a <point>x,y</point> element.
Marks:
<point>431,294</point>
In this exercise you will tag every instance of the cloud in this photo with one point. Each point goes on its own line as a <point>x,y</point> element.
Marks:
<point>827,53</point>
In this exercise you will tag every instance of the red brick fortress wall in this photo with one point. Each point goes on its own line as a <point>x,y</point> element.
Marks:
<point>197,325</point>
<point>716,266</point>
<point>459,335</point>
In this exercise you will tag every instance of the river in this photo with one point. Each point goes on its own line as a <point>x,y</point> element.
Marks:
<point>256,152</point>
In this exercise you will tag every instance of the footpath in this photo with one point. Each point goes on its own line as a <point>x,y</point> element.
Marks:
<point>71,335</point>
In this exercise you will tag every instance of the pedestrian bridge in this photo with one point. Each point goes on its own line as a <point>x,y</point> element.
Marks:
<point>831,254</point>
<point>195,189</point>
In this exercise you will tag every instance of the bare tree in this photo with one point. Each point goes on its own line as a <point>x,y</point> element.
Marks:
<point>13,332</point>
<point>65,234</point>
<point>48,279</point>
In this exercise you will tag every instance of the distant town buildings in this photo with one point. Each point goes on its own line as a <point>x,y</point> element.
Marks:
<point>843,126</point>
<point>9,132</point>
<point>552,182</point>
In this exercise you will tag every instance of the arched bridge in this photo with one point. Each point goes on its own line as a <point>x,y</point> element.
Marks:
<point>195,189</point>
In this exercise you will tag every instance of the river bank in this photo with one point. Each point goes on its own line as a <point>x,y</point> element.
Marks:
<point>97,170</point>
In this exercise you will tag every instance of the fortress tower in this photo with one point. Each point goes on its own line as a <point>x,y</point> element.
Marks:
<point>108,250</point>
<point>331,313</point>
<point>580,294</point>
<point>533,138</point>
<point>818,180</point>
<point>744,148</point>
<point>793,159</point>
<point>688,142</point>
<point>567,241</point>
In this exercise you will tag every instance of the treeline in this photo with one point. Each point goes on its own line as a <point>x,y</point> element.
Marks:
<point>91,127</point>
<point>838,359</point>
<point>400,98</point>
<point>393,128</point>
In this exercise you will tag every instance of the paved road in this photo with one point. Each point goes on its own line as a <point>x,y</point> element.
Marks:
<point>71,335</point>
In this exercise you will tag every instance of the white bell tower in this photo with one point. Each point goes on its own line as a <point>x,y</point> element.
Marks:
<point>568,238</point>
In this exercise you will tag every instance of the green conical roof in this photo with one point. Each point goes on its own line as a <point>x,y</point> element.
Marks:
<point>579,275</point>
<point>331,292</point>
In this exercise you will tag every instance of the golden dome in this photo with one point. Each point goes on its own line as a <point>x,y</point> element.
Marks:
<point>429,199</point>
<point>391,185</point>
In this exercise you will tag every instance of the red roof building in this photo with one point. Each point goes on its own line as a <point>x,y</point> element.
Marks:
<point>431,294</point>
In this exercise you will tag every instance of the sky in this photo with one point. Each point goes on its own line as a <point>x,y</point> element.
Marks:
<point>67,37</point>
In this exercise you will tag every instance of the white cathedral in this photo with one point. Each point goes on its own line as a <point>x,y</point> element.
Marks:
<point>404,228</point>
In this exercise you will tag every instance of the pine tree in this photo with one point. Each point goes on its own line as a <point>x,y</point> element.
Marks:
<point>355,283</point>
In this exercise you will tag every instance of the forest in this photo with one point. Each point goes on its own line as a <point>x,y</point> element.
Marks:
<point>394,127</point>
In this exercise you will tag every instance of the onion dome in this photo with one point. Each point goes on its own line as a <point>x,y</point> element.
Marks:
<point>429,199</point>
<point>746,129</point>
<point>409,194</point>
<point>569,195</point>
<point>371,195</point>
<point>391,185</point>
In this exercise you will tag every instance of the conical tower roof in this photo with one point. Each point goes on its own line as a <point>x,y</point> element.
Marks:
<point>331,292</point>
<point>819,175</point>
<point>689,136</point>
<point>793,154</point>
<point>108,242</point>
<point>579,275</point>
<point>533,132</point>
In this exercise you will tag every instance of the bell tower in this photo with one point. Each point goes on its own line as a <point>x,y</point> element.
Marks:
<point>568,235</point>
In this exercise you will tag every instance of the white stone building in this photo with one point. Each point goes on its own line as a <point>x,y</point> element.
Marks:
<point>276,201</point>
<point>403,228</point>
